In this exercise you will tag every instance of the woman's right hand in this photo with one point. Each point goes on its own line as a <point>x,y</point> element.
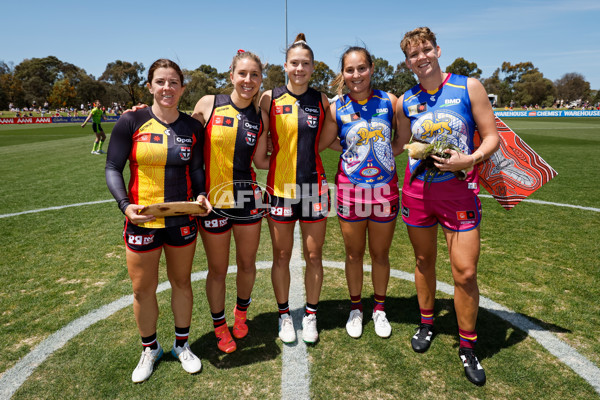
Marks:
<point>132,213</point>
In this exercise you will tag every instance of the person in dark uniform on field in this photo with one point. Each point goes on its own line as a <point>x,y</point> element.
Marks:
<point>96,115</point>
<point>233,128</point>
<point>164,149</point>
<point>445,108</point>
<point>296,184</point>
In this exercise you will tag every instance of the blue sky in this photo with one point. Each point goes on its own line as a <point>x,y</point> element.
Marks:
<point>557,36</point>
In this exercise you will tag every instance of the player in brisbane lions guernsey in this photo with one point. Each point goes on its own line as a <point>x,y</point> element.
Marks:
<point>367,184</point>
<point>164,149</point>
<point>296,184</point>
<point>445,107</point>
<point>233,129</point>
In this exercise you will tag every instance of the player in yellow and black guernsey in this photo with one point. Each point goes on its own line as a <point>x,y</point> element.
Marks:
<point>231,137</point>
<point>294,116</point>
<point>161,165</point>
<point>295,170</point>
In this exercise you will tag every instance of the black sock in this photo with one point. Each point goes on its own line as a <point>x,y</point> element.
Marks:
<point>181,336</point>
<point>150,341</point>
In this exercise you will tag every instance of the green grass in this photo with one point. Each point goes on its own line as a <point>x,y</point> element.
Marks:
<point>56,266</point>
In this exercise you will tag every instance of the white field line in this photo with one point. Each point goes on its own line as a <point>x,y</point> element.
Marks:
<point>548,203</point>
<point>295,370</point>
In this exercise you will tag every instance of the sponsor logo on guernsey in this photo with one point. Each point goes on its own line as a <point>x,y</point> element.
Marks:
<point>311,110</point>
<point>151,138</point>
<point>450,102</point>
<point>417,109</point>
<point>380,111</point>
<point>350,117</point>
<point>168,132</point>
<point>184,140</point>
<point>222,121</point>
<point>253,127</point>
<point>283,110</point>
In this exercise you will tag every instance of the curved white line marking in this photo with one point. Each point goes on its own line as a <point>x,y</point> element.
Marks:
<point>13,378</point>
<point>549,203</point>
<point>54,208</point>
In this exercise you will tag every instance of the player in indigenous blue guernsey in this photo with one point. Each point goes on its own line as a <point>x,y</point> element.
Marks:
<point>233,129</point>
<point>296,184</point>
<point>445,107</point>
<point>367,184</point>
<point>164,149</point>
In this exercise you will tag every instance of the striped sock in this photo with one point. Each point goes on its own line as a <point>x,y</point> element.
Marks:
<point>284,308</point>
<point>311,308</point>
<point>181,336</point>
<point>95,148</point>
<point>467,338</point>
<point>356,303</point>
<point>243,304</point>
<point>426,316</point>
<point>218,318</point>
<point>100,145</point>
<point>379,302</point>
<point>150,341</point>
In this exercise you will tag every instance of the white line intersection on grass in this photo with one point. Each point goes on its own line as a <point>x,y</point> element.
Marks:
<point>295,381</point>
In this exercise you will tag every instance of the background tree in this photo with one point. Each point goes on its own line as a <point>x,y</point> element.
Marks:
<point>495,85</point>
<point>573,86</point>
<point>273,76</point>
<point>37,76</point>
<point>321,78</point>
<point>89,89</point>
<point>127,77</point>
<point>63,94</point>
<point>460,66</point>
<point>383,73</point>
<point>198,83</point>
<point>402,80</point>
<point>533,89</point>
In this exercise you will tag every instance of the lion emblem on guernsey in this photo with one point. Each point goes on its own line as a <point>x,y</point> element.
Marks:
<point>431,129</point>
<point>366,135</point>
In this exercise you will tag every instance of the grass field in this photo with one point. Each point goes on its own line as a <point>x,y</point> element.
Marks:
<point>539,260</point>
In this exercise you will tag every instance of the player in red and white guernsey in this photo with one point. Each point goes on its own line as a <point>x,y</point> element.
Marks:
<point>296,184</point>
<point>444,107</point>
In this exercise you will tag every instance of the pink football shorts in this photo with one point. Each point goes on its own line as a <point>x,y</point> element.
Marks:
<point>456,215</point>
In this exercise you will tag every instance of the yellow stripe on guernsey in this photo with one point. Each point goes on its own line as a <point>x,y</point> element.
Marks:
<point>222,148</point>
<point>151,158</point>
<point>287,157</point>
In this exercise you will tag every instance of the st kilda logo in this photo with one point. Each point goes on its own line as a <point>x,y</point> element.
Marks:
<point>251,132</point>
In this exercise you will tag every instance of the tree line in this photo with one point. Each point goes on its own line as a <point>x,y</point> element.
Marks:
<point>61,84</point>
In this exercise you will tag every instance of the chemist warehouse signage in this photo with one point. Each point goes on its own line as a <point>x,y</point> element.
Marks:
<point>548,113</point>
<point>50,120</point>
